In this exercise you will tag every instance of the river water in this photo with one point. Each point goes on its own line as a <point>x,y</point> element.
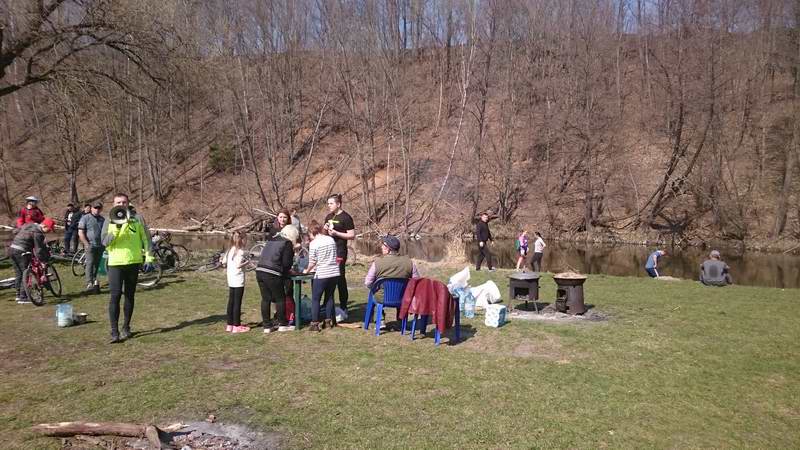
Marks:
<point>749,268</point>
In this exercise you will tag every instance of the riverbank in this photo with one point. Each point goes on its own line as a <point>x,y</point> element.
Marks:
<point>675,365</point>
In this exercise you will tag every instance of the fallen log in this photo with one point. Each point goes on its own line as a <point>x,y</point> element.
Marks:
<point>69,429</point>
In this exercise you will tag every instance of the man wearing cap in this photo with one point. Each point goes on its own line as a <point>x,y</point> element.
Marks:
<point>391,264</point>
<point>714,272</point>
<point>90,232</point>
<point>30,213</point>
<point>29,239</point>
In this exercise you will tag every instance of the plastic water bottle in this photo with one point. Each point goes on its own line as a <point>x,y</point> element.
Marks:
<point>305,307</point>
<point>64,315</point>
<point>469,305</point>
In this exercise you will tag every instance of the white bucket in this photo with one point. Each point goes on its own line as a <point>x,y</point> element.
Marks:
<point>64,315</point>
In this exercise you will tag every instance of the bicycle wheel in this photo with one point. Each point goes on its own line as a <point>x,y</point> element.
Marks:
<point>149,275</point>
<point>184,255</point>
<point>78,265</point>
<point>53,281</point>
<point>33,289</point>
<point>255,251</point>
<point>168,259</point>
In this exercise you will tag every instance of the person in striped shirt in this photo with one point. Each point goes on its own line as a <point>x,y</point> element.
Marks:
<point>322,261</point>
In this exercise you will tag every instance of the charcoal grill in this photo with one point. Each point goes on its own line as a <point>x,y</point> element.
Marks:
<point>524,283</point>
<point>569,294</point>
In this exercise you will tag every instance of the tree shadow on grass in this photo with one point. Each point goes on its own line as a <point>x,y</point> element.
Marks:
<point>186,323</point>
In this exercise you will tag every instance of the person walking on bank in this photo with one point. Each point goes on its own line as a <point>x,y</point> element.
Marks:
<point>234,262</point>
<point>484,236</point>
<point>651,266</point>
<point>339,225</point>
<point>274,267</point>
<point>322,261</point>
<point>521,245</point>
<point>72,217</point>
<point>30,213</point>
<point>128,246</point>
<point>538,252</point>
<point>714,272</point>
<point>29,239</point>
<point>90,232</point>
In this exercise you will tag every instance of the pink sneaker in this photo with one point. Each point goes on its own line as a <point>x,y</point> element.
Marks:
<point>241,329</point>
<point>229,328</point>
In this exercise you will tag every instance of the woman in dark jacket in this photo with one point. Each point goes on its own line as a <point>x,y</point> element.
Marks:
<point>274,267</point>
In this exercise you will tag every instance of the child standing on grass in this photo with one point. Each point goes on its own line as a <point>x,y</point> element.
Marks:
<point>235,261</point>
<point>522,247</point>
<point>322,261</point>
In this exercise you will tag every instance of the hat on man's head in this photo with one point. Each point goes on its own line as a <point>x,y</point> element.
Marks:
<point>49,223</point>
<point>32,199</point>
<point>715,254</point>
<point>392,242</point>
<point>97,205</point>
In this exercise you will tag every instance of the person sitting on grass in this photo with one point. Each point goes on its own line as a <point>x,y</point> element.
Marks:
<point>274,268</point>
<point>651,266</point>
<point>391,264</point>
<point>714,272</point>
<point>234,261</point>
<point>322,261</point>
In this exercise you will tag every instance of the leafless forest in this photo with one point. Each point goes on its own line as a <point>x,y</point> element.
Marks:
<point>621,116</point>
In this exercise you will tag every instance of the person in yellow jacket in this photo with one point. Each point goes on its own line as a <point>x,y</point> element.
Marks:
<point>128,246</point>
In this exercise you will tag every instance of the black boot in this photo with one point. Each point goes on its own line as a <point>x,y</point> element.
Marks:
<point>126,333</point>
<point>114,338</point>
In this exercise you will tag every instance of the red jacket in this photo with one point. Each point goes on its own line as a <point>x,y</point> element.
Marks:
<point>424,296</point>
<point>33,215</point>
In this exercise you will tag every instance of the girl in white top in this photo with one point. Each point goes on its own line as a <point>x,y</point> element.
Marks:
<point>538,252</point>
<point>234,260</point>
<point>322,261</point>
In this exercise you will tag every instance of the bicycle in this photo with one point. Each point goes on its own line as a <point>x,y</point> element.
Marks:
<point>38,276</point>
<point>214,262</point>
<point>174,254</point>
<point>149,274</point>
<point>78,263</point>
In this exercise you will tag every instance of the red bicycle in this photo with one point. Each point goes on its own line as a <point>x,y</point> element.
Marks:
<point>38,276</point>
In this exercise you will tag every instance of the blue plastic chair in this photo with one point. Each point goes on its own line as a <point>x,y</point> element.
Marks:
<point>393,289</point>
<point>437,335</point>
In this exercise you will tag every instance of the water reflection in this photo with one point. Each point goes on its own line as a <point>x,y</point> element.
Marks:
<point>752,268</point>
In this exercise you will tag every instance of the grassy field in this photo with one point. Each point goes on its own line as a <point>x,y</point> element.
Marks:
<point>677,365</point>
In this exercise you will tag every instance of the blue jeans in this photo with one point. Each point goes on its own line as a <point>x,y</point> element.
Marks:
<point>320,287</point>
<point>652,272</point>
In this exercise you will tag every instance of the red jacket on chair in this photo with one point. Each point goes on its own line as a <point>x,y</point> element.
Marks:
<point>428,297</point>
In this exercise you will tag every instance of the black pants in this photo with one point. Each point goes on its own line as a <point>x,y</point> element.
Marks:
<point>272,289</point>
<point>20,263</point>
<point>71,240</point>
<point>484,253</point>
<point>341,285</point>
<point>93,257</point>
<point>322,287</point>
<point>235,295</point>
<point>122,279</point>
<point>536,261</point>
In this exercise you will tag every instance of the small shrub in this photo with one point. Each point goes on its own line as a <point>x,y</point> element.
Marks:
<point>222,158</point>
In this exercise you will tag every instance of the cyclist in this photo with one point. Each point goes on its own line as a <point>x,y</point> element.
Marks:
<point>128,245</point>
<point>27,240</point>
<point>30,213</point>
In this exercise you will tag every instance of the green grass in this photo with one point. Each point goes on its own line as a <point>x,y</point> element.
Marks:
<point>677,365</point>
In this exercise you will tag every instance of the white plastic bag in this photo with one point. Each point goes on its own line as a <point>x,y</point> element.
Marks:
<point>485,294</point>
<point>459,280</point>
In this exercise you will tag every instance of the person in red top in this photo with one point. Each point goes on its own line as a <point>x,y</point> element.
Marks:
<point>30,213</point>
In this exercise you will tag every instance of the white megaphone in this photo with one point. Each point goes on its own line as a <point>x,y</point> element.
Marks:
<point>120,215</point>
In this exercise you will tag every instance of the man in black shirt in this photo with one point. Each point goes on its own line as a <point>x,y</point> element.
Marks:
<point>484,236</point>
<point>341,228</point>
